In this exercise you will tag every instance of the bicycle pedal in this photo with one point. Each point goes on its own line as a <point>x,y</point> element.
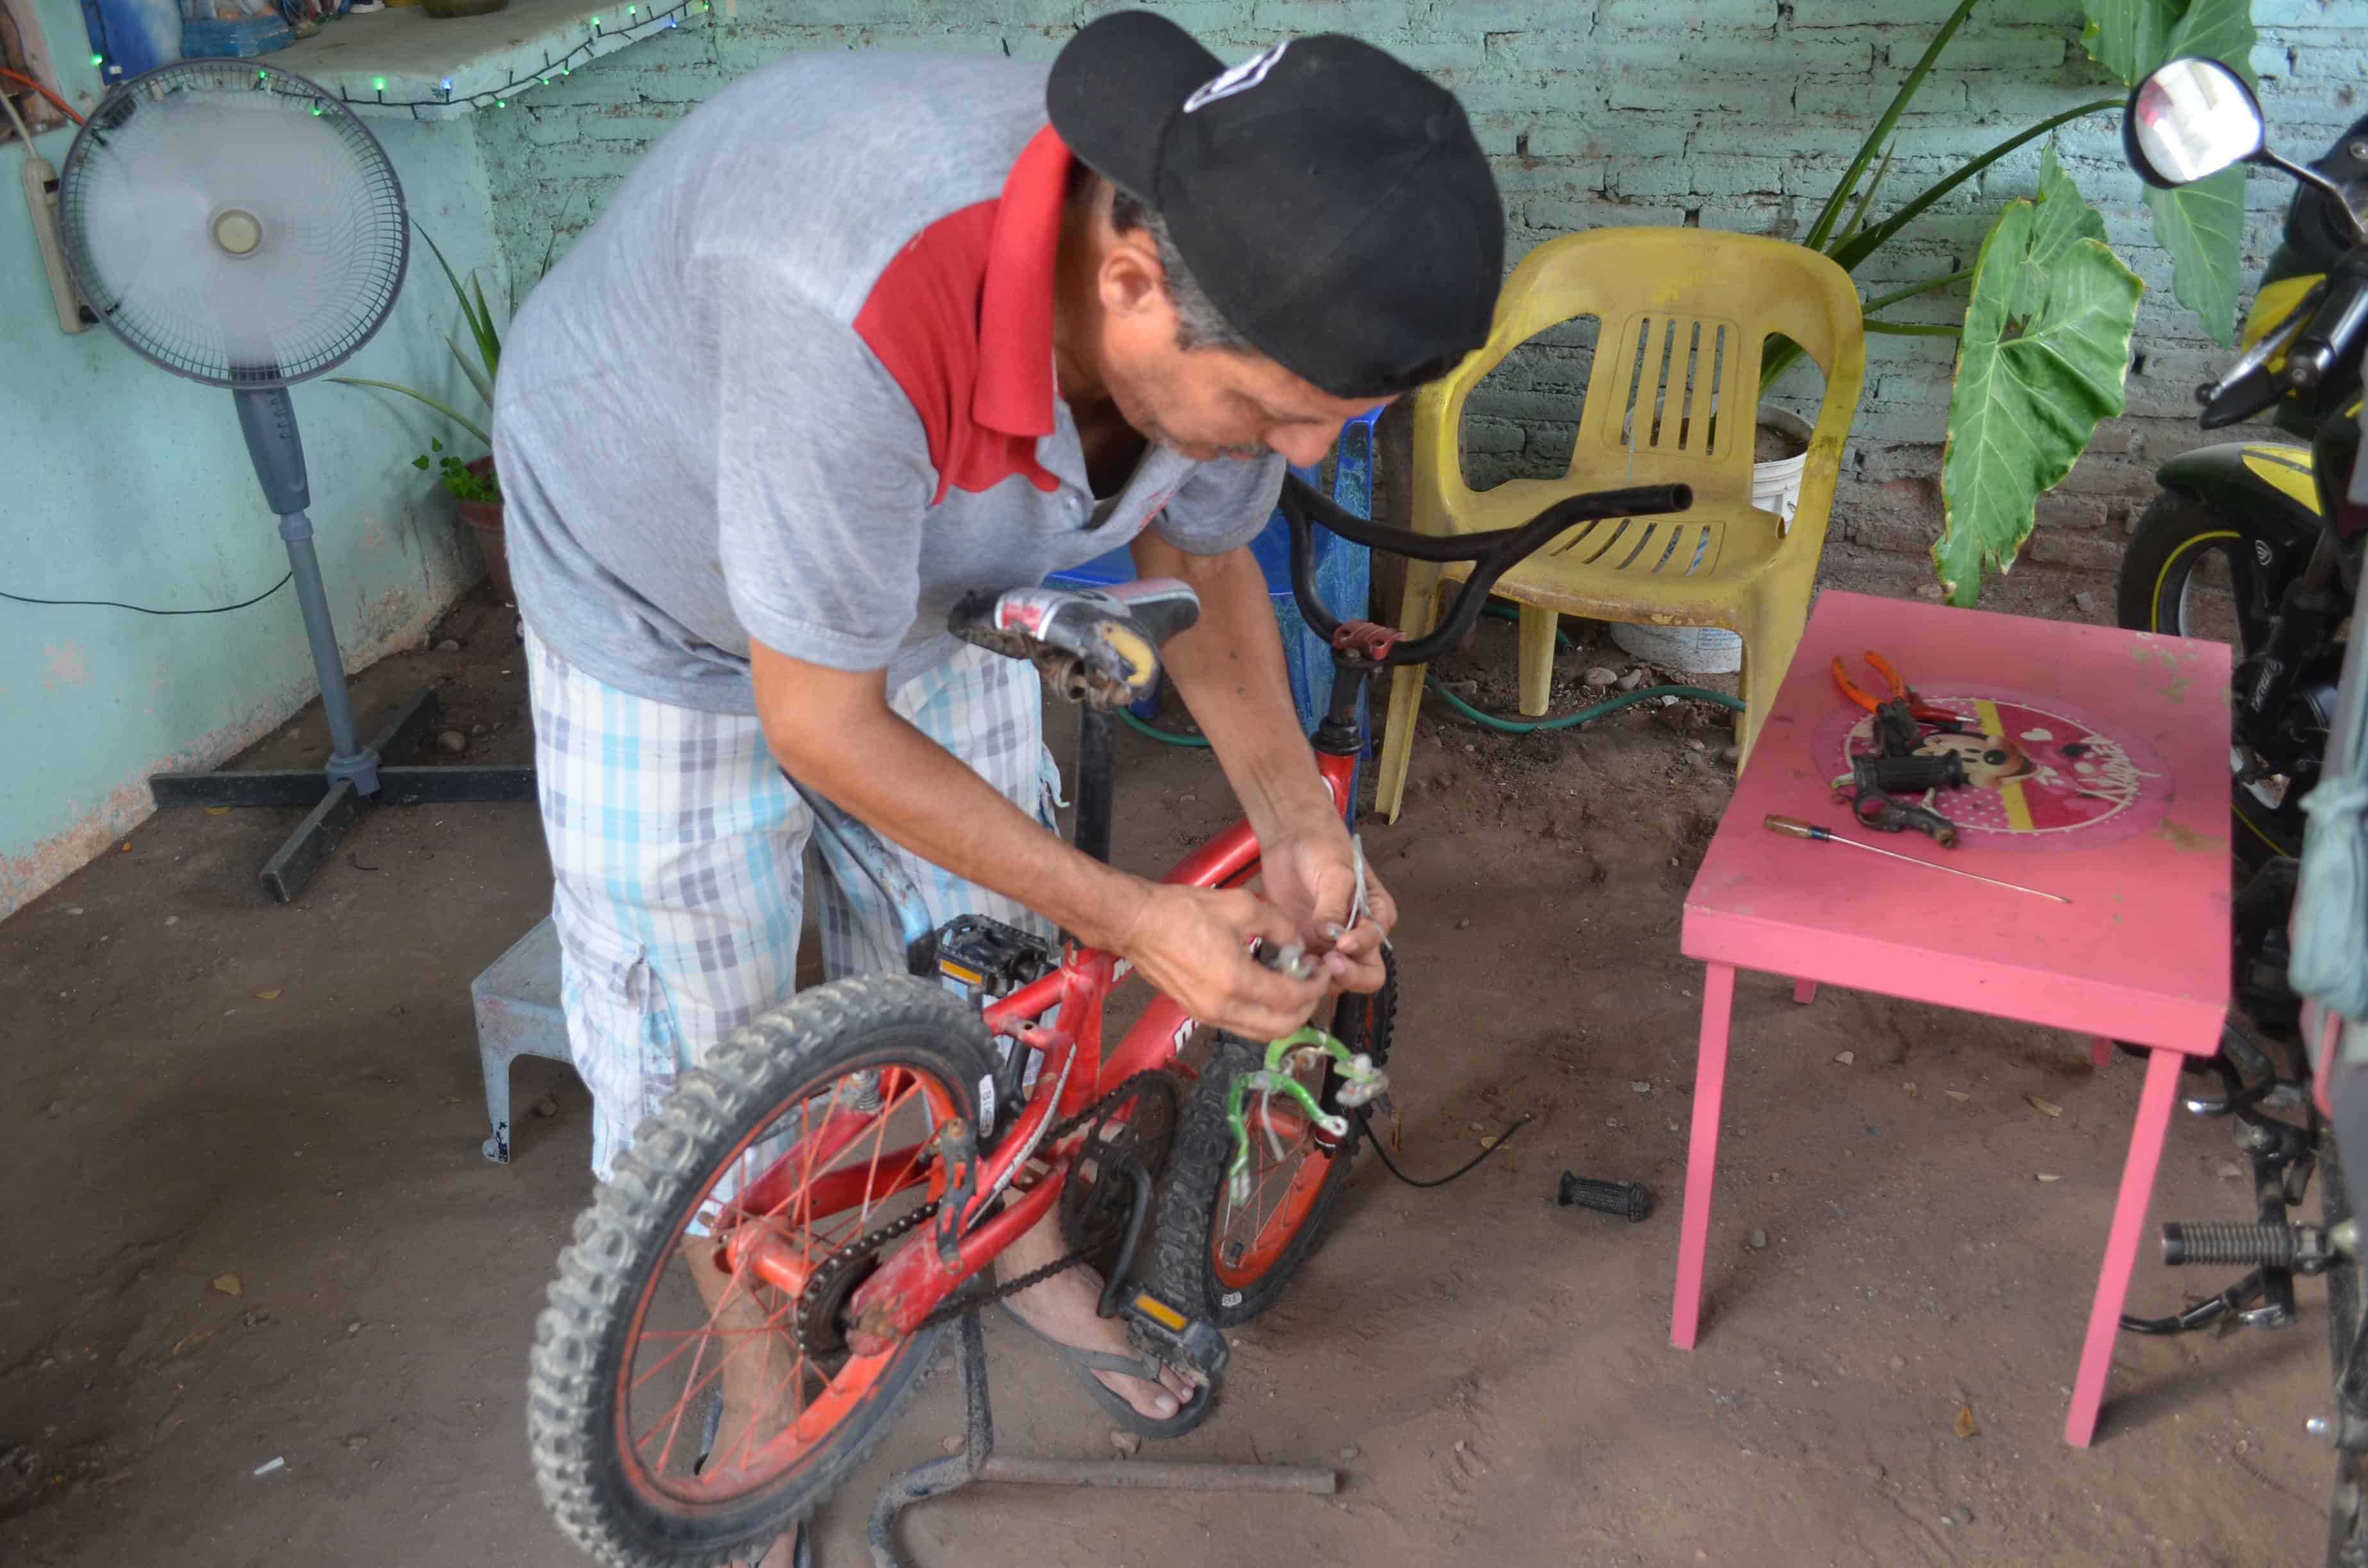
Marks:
<point>1193,1347</point>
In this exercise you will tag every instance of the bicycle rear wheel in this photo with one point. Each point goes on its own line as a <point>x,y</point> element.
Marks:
<point>692,1396</point>
<point>1228,1260</point>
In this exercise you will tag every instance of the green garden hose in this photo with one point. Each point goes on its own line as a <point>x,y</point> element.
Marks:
<point>1626,699</point>
<point>1489,721</point>
<point>1486,720</point>
<point>1165,737</point>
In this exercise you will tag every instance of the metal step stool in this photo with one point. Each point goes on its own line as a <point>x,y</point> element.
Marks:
<point>516,1002</point>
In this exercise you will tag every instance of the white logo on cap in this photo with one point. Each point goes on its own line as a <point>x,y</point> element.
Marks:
<point>1240,79</point>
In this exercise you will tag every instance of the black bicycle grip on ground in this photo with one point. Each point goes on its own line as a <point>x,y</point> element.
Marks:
<point>1630,1200</point>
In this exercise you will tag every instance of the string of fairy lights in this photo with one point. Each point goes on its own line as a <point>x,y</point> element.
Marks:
<point>642,19</point>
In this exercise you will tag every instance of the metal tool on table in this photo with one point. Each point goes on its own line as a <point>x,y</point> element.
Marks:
<point>1901,724</point>
<point>1793,827</point>
<point>1904,705</point>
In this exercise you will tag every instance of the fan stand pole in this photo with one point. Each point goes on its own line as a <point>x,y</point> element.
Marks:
<point>336,792</point>
<point>348,760</point>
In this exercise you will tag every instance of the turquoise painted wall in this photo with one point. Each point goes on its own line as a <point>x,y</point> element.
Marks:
<point>1736,114</point>
<point>125,482</point>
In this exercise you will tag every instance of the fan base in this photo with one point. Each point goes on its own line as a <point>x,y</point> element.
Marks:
<point>335,806</point>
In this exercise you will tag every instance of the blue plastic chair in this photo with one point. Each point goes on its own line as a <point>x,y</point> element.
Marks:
<point>1343,575</point>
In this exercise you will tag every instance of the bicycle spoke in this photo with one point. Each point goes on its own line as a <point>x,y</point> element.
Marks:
<point>879,1142</point>
<point>746,1447</point>
<point>700,1385</point>
<point>718,1352</point>
<point>835,1156</point>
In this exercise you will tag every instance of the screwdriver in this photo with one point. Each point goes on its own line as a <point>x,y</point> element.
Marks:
<point>1793,827</point>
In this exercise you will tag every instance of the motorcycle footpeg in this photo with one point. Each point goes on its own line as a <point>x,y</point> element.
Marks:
<point>1192,1346</point>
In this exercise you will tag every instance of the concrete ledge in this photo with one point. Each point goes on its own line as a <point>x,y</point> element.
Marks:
<point>403,60</point>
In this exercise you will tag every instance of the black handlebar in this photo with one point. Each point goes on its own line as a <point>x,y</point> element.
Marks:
<point>1493,553</point>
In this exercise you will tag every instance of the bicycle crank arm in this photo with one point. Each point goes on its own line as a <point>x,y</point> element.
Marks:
<point>912,1283</point>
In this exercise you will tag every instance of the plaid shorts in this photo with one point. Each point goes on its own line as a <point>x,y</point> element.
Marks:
<point>678,856</point>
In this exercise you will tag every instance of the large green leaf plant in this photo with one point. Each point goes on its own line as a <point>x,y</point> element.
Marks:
<point>2044,346</point>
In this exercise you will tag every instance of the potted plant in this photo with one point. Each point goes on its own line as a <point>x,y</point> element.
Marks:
<point>472,483</point>
<point>2043,344</point>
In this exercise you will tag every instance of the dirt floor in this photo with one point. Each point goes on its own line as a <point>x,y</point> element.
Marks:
<point>252,1223</point>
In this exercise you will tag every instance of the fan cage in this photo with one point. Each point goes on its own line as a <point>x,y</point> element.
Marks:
<point>384,235</point>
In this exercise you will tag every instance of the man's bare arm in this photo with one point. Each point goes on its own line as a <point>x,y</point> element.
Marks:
<point>834,731</point>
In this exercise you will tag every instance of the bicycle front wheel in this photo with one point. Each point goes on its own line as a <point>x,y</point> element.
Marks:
<point>1232,1260</point>
<point>693,1396</point>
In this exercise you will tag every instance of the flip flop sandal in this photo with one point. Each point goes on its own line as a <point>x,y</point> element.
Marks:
<point>1144,1366</point>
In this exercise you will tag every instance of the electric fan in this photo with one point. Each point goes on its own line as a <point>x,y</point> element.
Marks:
<point>241,227</point>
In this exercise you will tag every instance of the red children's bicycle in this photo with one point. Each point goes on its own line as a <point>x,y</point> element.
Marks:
<point>809,1211</point>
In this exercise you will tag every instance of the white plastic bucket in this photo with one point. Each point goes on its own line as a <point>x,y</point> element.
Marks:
<point>1714,650</point>
<point>1696,650</point>
<point>1776,487</point>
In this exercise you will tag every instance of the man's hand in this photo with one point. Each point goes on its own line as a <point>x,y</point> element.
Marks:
<point>1193,944</point>
<point>1311,875</point>
<point>1229,668</point>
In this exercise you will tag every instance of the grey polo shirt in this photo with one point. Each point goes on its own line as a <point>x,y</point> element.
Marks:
<point>796,385</point>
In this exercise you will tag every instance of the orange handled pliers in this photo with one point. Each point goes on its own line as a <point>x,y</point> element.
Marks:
<point>1924,713</point>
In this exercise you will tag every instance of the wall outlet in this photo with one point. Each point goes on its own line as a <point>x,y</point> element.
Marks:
<point>41,196</point>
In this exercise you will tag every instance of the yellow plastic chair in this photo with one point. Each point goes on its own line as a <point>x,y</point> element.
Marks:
<point>1672,397</point>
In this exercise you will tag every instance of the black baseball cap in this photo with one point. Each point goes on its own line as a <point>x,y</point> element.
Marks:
<point>1331,199</point>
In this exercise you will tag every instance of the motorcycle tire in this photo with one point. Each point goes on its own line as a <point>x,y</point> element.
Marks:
<point>2179,535</point>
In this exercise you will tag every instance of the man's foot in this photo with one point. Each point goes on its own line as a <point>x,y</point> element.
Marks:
<point>1062,1309</point>
<point>758,1401</point>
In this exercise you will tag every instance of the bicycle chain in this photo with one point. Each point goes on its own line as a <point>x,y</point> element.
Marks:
<point>846,1258</point>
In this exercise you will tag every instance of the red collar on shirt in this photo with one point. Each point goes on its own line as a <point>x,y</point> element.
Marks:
<point>962,319</point>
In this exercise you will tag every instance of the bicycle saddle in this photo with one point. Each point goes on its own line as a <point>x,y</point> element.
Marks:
<point>1098,646</point>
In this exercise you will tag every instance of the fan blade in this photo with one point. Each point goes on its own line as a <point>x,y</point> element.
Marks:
<point>151,230</point>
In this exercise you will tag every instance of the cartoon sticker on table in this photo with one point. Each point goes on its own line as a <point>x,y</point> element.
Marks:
<point>2041,776</point>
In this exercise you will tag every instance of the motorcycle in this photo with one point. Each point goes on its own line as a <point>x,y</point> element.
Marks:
<point>2236,524</point>
<point>2287,526</point>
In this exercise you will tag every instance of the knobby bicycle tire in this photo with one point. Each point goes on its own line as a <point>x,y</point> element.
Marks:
<point>1194,1197</point>
<point>624,1242</point>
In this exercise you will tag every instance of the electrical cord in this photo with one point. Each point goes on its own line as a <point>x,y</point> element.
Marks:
<point>61,105</point>
<point>1464,1169</point>
<point>144,609</point>
<point>23,136</point>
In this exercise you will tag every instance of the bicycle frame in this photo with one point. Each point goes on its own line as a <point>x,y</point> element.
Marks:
<point>912,1282</point>
<point>1077,1069</point>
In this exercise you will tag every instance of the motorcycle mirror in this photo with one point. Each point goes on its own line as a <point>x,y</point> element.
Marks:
<point>2189,120</point>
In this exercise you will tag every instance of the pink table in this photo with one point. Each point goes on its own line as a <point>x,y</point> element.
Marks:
<point>2121,804</point>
